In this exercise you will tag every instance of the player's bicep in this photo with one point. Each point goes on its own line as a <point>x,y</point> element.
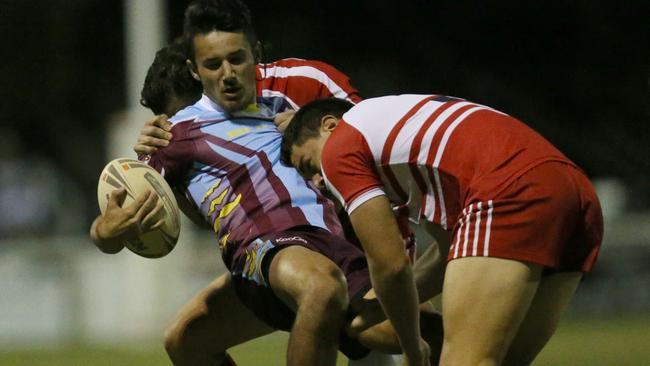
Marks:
<point>348,167</point>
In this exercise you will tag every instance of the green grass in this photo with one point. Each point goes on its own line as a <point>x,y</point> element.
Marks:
<point>592,342</point>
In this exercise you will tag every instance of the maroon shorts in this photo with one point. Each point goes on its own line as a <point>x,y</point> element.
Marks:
<point>549,216</point>
<point>250,274</point>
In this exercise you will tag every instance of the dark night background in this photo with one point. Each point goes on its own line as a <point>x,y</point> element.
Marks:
<point>576,71</point>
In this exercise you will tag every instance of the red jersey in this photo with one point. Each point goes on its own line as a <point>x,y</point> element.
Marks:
<point>298,82</point>
<point>429,152</point>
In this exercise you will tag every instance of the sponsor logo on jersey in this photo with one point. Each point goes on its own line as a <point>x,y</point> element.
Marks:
<point>290,238</point>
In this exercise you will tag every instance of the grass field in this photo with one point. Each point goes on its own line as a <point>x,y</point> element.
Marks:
<point>592,342</point>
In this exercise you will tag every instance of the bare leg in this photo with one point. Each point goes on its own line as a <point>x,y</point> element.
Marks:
<point>484,302</point>
<point>316,289</point>
<point>552,298</point>
<point>210,323</point>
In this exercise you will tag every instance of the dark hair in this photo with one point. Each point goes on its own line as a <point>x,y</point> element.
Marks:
<point>167,78</point>
<point>306,123</point>
<point>205,16</point>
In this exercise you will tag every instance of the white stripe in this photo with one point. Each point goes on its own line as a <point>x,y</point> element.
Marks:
<point>436,162</point>
<point>428,136</point>
<point>488,225</point>
<point>477,228</point>
<point>424,154</point>
<point>273,93</point>
<point>363,198</point>
<point>312,73</point>
<point>469,216</point>
<point>404,139</point>
<point>460,228</point>
<point>450,129</point>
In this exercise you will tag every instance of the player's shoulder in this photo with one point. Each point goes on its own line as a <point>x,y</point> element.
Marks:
<point>299,67</point>
<point>296,62</point>
<point>202,110</point>
<point>382,105</point>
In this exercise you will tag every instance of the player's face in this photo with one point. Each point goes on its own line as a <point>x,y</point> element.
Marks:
<point>306,157</point>
<point>225,65</point>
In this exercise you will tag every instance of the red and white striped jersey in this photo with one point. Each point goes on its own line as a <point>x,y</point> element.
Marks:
<point>299,82</point>
<point>429,152</point>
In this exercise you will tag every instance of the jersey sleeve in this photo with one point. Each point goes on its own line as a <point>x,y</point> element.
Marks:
<point>349,169</point>
<point>174,160</point>
<point>302,81</point>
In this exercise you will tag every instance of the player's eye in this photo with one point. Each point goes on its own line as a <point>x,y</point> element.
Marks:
<point>237,60</point>
<point>239,57</point>
<point>212,64</point>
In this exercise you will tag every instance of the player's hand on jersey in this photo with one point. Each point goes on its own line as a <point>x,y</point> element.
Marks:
<point>120,223</point>
<point>283,119</point>
<point>154,134</point>
<point>418,357</point>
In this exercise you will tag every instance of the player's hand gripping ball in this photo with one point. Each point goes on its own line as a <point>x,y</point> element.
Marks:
<point>136,178</point>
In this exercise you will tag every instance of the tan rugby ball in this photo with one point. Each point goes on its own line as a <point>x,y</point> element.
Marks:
<point>137,177</point>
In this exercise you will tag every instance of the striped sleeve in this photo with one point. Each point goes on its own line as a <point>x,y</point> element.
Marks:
<point>302,81</point>
<point>348,168</point>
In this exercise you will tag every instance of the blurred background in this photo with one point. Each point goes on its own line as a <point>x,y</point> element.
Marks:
<point>576,71</point>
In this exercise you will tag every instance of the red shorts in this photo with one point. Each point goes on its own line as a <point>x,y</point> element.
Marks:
<point>550,216</point>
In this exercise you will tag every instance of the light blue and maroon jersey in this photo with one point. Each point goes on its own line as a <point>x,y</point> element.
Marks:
<point>229,166</point>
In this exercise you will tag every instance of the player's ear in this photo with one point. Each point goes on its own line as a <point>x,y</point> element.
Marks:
<point>328,123</point>
<point>192,68</point>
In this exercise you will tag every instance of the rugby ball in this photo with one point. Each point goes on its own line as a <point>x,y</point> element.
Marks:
<point>137,177</point>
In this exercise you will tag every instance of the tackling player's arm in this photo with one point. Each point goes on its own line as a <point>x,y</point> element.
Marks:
<point>390,271</point>
<point>155,135</point>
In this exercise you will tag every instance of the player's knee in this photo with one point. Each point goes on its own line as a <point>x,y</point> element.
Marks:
<point>457,352</point>
<point>177,341</point>
<point>173,342</point>
<point>326,290</point>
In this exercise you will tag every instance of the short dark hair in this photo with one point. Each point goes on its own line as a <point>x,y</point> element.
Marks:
<point>306,123</point>
<point>205,16</point>
<point>168,77</point>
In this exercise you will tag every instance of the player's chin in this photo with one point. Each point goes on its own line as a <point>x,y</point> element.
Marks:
<point>231,104</point>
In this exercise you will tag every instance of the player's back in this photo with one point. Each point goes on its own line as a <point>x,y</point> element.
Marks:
<point>431,150</point>
<point>229,166</point>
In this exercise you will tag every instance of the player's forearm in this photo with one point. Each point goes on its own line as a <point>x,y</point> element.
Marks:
<point>393,282</point>
<point>108,245</point>
<point>429,272</point>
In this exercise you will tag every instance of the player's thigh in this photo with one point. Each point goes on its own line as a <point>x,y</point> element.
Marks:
<point>297,273</point>
<point>216,318</point>
<point>484,301</point>
<point>551,300</point>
